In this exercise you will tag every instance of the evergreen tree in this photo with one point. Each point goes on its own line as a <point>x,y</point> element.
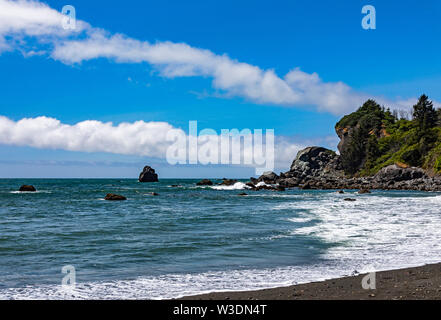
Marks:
<point>424,114</point>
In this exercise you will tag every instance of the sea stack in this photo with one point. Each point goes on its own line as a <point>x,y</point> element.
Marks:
<point>28,188</point>
<point>148,175</point>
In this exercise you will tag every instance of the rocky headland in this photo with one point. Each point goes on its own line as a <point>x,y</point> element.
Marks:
<point>377,150</point>
<point>318,168</point>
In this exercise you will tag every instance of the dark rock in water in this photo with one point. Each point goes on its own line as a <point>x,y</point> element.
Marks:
<point>175,186</point>
<point>148,175</point>
<point>228,182</point>
<point>114,197</point>
<point>154,194</point>
<point>264,187</point>
<point>340,191</point>
<point>349,199</point>
<point>242,194</point>
<point>306,186</point>
<point>289,182</point>
<point>26,187</point>
<point>314,162</point>
<point>361,191</point>
<point>268,177</point>
<point>205,182</point>
<point>251,185</point>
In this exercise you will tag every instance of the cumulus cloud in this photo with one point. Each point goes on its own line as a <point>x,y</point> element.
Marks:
<point>25,18</point>
<point>137,138</point>
<point>149,139</point>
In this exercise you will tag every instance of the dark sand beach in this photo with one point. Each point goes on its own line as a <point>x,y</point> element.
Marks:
<point>418,283</point>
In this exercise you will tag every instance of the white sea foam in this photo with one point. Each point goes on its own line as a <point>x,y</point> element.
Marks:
<point>376,232</point>
<point>261,184</point>
<point>300,219</point>
<point>236,186</point>
<point>391,231</point>
<point>177,285</point>
<point>30,192</point>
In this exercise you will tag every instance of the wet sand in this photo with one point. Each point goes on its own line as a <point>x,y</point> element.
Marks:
<point>418,283</point>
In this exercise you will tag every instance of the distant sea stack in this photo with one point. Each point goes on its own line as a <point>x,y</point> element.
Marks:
<point>148,175</point>
<point>27,188</point>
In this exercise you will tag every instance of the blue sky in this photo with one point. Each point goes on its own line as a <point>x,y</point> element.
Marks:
<point>397,61</point>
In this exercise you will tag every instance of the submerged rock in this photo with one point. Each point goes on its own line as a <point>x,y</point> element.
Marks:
<point>268,177</point>
<point>28,188</point>
<point>251,185</point>
<point>205,182</point>
<point>242,194</point>
<point>154,194</point>
<point>289,182</point>
<point>349,199</point>
<point>148,175</point>
<point>361,191</point>
<point>114,197</point>
<point>306,186</point>
<point>228,182</point>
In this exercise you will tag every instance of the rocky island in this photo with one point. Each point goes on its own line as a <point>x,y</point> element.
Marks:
<point>148,174</point>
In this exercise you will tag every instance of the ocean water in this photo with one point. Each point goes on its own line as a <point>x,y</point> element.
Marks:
<point>191,240</point>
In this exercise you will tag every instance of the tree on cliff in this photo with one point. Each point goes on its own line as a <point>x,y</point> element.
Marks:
<point>373,137</point>
<point>424,114</point>
<point>354,154</point>
<point>367,121</point>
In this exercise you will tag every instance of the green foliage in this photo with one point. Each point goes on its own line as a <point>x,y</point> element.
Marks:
<point>377,138</point>
<point>424,114</point>
<point>354,154</point>
<point>365,122</point>
<point>372,151</point>
<point>370,113</point>
<point>412,157</point>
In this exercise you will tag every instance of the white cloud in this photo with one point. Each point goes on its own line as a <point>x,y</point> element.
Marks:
<point>26,18</point>
<point>137,138</point>
<point>32,18</point>
<point>149,139</point>
<point>233,77</point>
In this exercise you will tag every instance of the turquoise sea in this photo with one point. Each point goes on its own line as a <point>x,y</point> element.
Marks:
<point>191,239</point>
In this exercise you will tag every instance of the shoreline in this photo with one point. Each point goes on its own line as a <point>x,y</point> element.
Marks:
<point>414,283</point>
